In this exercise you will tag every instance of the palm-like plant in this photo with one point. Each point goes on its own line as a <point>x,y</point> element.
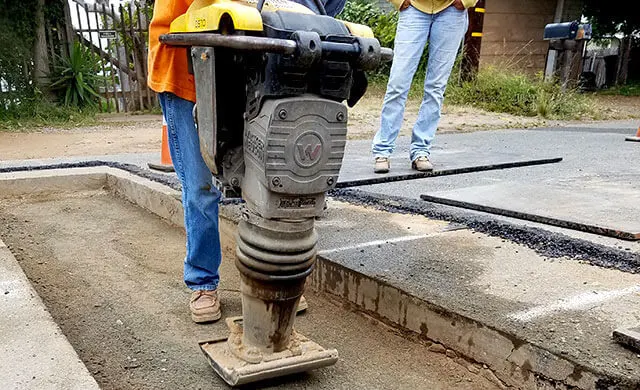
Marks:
<point>75,78</point>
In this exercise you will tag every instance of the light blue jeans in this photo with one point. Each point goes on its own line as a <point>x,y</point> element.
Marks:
<point>200,197</point>
<point>444,32</point>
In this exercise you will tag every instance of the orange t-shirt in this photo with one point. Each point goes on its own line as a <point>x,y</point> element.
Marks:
<point>168,69</point>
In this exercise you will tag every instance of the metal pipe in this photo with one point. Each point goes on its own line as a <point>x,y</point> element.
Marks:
<point>240,42</point>
<point>386,54</point>
<point>559,12</point>
<point>271,45</point>
<point>340,47</point>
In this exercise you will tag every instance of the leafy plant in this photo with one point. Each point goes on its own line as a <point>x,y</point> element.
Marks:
<point>75,78</point>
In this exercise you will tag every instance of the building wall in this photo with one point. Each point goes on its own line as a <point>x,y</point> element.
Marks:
<point>513,31</point>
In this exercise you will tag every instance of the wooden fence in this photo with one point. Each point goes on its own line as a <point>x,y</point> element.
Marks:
<point>117,37</point>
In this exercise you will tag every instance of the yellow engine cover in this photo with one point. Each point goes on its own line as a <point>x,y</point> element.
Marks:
<point>205,15</point>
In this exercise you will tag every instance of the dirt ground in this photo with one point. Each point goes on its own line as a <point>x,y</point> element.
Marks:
<point>118,133</point>
<point>110,274</point>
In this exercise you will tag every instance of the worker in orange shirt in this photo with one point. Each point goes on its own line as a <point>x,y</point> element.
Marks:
<point>169,77</point>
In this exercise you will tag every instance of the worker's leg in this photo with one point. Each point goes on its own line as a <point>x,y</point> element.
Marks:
<point>447,31</point>
<point>411,36</point>
<point>199,197</point>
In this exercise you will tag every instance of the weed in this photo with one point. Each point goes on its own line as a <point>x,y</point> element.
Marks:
<point>501,90</point>
<point>34,113</point>
<point>631,89</point>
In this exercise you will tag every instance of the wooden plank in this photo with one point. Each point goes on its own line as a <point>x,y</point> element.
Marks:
<point>104,73</point>
<point>126,51</point>
<point>143,60</point>
<point>113,77</point>
<point>136,57</point>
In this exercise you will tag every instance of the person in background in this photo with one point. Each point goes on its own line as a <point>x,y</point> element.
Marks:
<point>170,78</point>
<point>442,24</point>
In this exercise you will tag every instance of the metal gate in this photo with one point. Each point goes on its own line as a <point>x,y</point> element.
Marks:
<point>117,36</point>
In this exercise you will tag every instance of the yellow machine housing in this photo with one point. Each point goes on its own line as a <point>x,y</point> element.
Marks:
<point>205,15</point>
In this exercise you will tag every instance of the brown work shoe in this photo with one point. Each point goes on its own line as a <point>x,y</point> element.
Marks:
<point>205,306</point>
<point>382,165</point>
<point>422,164</point>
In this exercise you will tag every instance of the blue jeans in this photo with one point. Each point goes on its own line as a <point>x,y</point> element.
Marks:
<point>200,197</point>
<point>444,31</point>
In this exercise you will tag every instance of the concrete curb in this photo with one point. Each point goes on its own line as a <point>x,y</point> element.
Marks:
<point>507,360</point>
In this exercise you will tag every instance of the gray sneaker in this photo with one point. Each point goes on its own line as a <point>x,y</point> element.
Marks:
<point>382,165</point>
<point>422,164</point>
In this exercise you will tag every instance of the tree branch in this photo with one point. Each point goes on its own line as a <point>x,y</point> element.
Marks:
<point>106,56</point>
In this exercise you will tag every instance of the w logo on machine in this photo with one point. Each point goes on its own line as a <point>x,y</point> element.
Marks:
<point>309,152</point>
<point>308,149</point>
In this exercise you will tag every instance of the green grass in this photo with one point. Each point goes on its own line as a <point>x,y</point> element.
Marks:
<point>631,89</point>
<point>506,91</point>
<point>34,115</point>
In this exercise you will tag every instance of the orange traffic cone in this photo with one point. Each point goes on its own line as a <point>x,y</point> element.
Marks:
<point>636,138</point>
<point>165,165</point>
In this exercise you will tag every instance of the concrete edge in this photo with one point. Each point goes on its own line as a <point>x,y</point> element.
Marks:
<point>509,360</point>
<point>152,196</point>
<point>46,361</point>
<point>35,183</point>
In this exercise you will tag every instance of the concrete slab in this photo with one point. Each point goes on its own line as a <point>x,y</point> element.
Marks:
<point>600,205</point>
<point>629,337</point>
<point>590,152</point>
<point>525,316</point>
<point>34,354</point>
<point>585,154</point>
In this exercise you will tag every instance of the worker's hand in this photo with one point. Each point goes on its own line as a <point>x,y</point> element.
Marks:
<point>458,4</point>
<point>406,4</point>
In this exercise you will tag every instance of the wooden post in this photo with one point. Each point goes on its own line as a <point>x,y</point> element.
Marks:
<point>113,69</point>
<point>473,41</point>
<point>68,27</point>
<point>135,55</point>
<point>104,73</point>
<point>129,81</point>
<point>143,61</point>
